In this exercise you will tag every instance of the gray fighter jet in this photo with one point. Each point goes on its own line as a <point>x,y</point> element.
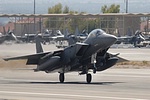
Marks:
<point>91,55</point>
<point>136,39</point>
<point>8,37</point>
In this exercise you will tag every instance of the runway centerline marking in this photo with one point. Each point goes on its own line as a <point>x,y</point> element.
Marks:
<point>70,95</point>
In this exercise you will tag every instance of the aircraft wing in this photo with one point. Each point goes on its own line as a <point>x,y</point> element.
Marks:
<point>34,58</point>
<point>31,59</point>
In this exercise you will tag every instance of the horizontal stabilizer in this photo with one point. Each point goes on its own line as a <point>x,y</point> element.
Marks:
<point>39,48</point>
<point>120,58</point>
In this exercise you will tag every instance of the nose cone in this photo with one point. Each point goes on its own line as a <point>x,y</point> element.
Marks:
<point>109,39</point>
<point>112,39</point>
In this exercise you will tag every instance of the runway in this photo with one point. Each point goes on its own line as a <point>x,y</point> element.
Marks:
<point>112,84</point>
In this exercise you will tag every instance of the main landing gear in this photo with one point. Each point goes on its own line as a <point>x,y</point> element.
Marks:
<point>61,77</point>
<point>88,78</point>
<point>88,75</point>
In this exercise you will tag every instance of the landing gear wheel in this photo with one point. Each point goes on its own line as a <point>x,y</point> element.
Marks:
<point>88,78</point>
<point>61,77</point>
<point>94,71</point>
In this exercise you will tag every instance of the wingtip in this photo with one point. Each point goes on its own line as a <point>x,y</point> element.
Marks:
<point>5,59</point>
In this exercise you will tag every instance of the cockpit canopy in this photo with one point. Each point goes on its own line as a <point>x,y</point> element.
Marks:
<point>96,33</point>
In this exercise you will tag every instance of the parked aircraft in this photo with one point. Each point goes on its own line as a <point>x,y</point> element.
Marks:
<point>72,38</point>
<point>59,36</point>
<point>47,36</point>
<point>9,36</point>
<point>81,57</point>
<point>78,37</point>
<point>135,39</point>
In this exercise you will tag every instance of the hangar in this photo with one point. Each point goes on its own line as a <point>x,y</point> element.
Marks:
<point>113,23</point>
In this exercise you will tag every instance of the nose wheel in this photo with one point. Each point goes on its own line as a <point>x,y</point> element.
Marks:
<point>88,78</point>
<point>61,77</point>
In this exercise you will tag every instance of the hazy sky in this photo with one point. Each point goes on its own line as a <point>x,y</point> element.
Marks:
<point>89,6</point>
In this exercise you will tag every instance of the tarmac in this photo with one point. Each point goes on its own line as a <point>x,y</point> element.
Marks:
<point>112,84</point>
<point>17,83</point>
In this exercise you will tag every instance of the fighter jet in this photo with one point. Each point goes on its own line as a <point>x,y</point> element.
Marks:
<point>77,37</point>
<point>9,36</point>
<point>91,55</point>
<point>59,36</point>
<point>71,38</point>
<point>136,39</point>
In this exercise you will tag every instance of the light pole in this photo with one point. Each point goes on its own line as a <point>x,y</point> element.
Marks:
<point>126,6</point>
<point>34,16</point>
<point>34,6</point>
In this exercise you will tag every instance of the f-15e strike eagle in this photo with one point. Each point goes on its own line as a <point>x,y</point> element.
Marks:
<point>8,37</point>
<point>81,57</point>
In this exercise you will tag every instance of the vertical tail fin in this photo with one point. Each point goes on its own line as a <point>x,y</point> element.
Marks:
<point>39,48</point>
<point>8,29</point>
<point>66,33</point>
<point>4,30</point>
<point>77,32</point>
<point>13,36</point>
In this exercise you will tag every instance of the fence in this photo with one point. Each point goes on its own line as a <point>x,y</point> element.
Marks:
<point>118,24</point>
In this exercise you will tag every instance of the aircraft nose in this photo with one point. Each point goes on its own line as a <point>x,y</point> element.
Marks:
<point>110,39</point>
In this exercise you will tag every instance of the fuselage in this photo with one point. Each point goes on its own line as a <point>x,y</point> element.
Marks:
<point>98,40</point>
<point>73,56</point>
